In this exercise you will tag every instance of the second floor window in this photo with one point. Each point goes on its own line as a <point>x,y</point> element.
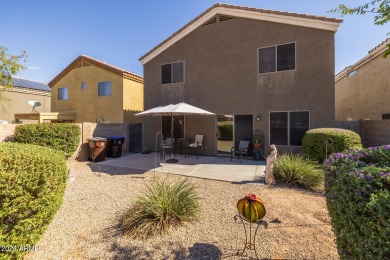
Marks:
<point>277,58</point>
<point>63,93</point>
<point>83,85</point>
<point>104,88</point>
<point>172,73</point>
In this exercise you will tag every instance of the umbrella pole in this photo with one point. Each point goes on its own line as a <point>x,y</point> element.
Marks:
<point>172,159</point>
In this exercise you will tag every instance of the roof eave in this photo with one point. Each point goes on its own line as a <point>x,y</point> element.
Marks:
<point>99,64</point>
<point>249,13</point>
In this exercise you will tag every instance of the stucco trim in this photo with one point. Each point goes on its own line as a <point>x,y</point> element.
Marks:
<point>310,21</point>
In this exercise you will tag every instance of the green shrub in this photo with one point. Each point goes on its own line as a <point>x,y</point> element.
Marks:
<point>163,205</point>
<point>32,184</point>
<point>357,187</point>
<point>314,142</point>
<point>297,170</point>
<point>226,132</point>
<point>61,137</point>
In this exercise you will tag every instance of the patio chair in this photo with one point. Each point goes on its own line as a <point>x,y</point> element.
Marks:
<point>166,145</point>
<point>197,146</point>
<point>242,149</point>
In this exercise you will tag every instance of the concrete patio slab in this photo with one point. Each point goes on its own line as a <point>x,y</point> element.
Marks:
<point>208,167</point>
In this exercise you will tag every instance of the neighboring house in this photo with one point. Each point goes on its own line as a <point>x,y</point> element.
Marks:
<point>256,69</point>
<point>19,94</point>
<point>97,92</point>
<point>363,89</point>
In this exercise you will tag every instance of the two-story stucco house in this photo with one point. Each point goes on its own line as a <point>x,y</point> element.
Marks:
<point>363,89</point>
<point>18,96</point>
<point>97,92</point>
<point>256,69</point>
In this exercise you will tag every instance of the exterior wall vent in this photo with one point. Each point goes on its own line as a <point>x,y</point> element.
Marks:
<point>211,21</point>
<point>225,18</point>
<point>82,64</point>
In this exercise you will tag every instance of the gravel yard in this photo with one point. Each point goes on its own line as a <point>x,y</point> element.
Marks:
<point>86,226</point>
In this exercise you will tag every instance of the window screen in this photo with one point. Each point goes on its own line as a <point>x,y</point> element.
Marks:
<point>286,57</point>
<point>278,128</point>
<point>267,61</point>
<point>178,72</point>
<point>63,93</point>
<point>299,124</point>
<point>104,88</point>
<point>166,74</point>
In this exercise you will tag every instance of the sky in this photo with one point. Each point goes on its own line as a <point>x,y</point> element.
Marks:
<point>119,32</point>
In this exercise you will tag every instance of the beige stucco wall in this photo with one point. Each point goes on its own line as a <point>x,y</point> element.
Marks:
<point>17,103</point>
<point>133,100</point>
<point>366,94</point>
<point>221,74</point>
<point>88,105</point>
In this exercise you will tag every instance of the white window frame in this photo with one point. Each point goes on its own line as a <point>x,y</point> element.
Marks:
<point>67,93</point>
<point>288,125</point>
<point>171,63</point>
<point>105,91</point>
<point>276,58</point>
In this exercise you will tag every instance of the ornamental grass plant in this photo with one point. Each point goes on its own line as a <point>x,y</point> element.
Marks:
<point>295,169</point>
<point>164,205</point>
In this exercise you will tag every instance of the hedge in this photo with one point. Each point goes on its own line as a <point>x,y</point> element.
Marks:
<point>226,132</point>
<point>61,137</point>
<point>357,188</point>
<point>315,142</point>
<point>32,184</point>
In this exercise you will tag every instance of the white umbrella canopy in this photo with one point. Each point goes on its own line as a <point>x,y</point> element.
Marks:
<point>174,110</point>
<point>177,109</point>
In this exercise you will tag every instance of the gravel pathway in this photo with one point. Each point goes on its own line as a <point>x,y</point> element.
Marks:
<point>86,226</point>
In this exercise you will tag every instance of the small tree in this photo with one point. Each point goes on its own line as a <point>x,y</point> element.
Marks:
<point>10,65</point>
<point>381,9</point>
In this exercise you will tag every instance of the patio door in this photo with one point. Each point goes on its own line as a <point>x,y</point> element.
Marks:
<point>224,133</point>
<point>243,130</point>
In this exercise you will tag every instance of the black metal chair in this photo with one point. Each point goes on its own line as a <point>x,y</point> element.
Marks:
<point>241,150</point>
<point>166,145</point>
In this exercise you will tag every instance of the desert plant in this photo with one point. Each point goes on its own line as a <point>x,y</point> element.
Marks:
<point>297,170</point>
<point>163,205</point>
<point>357,188</point>
<point>319,143</point>
<point>61,137</point>
<point>32,184</point>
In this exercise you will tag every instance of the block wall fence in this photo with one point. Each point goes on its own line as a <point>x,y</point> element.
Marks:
<point>88,130</point>
<point>372,132</point>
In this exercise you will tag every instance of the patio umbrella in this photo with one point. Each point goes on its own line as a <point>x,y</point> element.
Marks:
<point>174,110</point>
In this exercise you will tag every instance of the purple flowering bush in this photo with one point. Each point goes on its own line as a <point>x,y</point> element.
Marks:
<point>317,145</point>
<point>357,188</point>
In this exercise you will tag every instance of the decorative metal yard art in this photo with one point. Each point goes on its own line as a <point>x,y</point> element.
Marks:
<point>250,210</point>
<point>330,143</point>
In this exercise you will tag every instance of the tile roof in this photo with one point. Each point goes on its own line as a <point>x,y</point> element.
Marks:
<point>25,83</point>
<point>374,52</point>
<point>242,9</point>
<point>98,63</point>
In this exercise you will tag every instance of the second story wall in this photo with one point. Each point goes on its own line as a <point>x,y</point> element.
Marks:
<point>133,100</point>
<point>221,71</point>
<point>84,98</point>
<point>363,91</point>
<point>17,102</point>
